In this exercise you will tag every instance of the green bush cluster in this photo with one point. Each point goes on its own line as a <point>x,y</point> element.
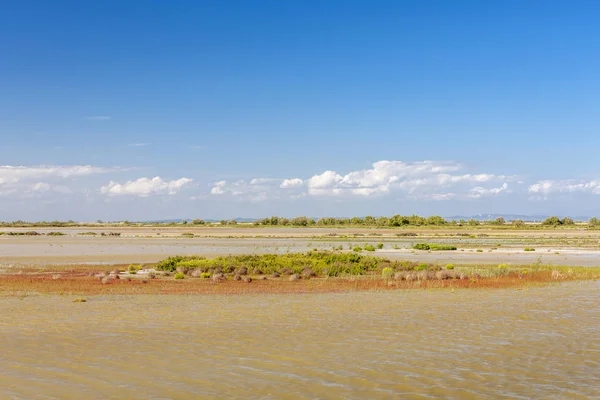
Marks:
<point>322,263</point>
<point>368,247</point>
<point>396,220</point>
<point>555,221</point>
<point>134,268</point>
<point>433,246</point>
<point>28,233</point>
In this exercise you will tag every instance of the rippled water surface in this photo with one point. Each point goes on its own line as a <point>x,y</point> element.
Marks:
<point>467,344</point>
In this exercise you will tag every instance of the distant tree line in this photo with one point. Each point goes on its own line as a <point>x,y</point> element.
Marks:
<point>369,221</point>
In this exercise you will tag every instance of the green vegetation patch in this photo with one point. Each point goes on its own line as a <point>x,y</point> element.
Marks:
<point>322,263</point>
<point>433,247</point>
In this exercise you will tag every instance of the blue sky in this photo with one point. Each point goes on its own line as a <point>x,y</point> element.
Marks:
<point>156,109</point>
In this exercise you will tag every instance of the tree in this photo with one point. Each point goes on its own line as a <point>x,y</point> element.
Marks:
<point>552,221</point>
<point>474,222</point>
<point>198,221</point>
<point>500,221</point>
<point>435,220</point>
<point>568,221</point>
<point>594,221</point>
<point>518,222</point>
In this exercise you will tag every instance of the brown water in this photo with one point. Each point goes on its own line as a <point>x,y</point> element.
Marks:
<point>467,344</point>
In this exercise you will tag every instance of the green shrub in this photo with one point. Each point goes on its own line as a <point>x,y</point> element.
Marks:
<point>368,247</point>
<point>421,267</point>
<point>55,234</point>
<point>529,249</point>
<point>322,263</point>
<point>133,268</point>
<point>205,275</point>
<point>433,247</point>
<point>387,272</point>
<point>357,249</point>
<point>421,246</point>
<point>552,221</point>
<point>479,251</point>
<point>179,275</point>
<point>449,266</point>
<point>380,246</point>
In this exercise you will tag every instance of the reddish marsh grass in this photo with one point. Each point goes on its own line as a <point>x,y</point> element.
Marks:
<point>79,281</point>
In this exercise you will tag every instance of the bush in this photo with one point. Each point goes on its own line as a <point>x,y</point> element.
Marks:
<point>322,263</point>
<point>205,275</point>
<point>133,268</point>
<point>387,272</point>
<point>450,266</point>
<point>368,247</point>
<point>422,267</point>
<point>421,246</point>
<point>529,249</point>
<point>55,234</point>
<point>433,247</point>
<point>357,249</point>
<point>380,246</point>
<point>552,221</point>
<point>179,275</point>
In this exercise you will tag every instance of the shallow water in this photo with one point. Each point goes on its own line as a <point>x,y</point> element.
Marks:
<point>466,344</point>
<point>47,250</point>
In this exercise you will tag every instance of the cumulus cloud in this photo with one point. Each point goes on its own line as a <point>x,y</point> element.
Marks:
<point>478,191</point>
<point>255,190</point>
<point>291,183</point>
<point>14,174</point>
<point>144,187</point>
<point>422,179</point>
<point>24,181</point>
<point>546,187</point>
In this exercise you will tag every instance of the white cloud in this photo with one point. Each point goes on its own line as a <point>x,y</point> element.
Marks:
<point>219,187</point>
<point>546,187</point>
<point>423,179</point>
<point>291,183</point>
<point>255,190</point>
<point>40,187</point>
<point>478,191</point>
<point>15,174</point>
<point>386,176</point>
<point>99,117</point>
<point>145,186</point>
